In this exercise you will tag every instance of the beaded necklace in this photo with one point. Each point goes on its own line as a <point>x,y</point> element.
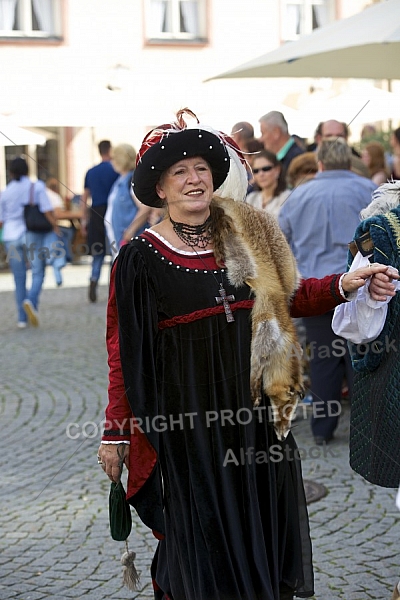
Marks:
<point>193,235</point>
<point>200,236</point>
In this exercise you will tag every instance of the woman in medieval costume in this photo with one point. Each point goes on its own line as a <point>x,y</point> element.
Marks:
<point>195,387</point>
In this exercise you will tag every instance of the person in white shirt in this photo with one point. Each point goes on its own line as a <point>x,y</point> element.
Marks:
<point>25,246</point>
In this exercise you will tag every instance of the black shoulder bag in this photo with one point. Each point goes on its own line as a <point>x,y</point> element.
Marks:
<point>35,220</point>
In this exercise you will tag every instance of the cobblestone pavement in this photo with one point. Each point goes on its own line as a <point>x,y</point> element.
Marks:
<point>55,541</point>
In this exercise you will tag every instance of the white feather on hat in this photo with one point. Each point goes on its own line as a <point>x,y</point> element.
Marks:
<point>236,184</point>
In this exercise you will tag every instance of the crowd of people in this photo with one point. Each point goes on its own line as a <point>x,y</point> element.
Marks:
<point>220,244</point>
<point>316,191</point>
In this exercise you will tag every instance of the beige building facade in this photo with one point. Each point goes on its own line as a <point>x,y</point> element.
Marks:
<point>84,70</point>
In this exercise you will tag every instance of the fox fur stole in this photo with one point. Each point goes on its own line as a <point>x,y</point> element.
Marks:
<point>257,253</point>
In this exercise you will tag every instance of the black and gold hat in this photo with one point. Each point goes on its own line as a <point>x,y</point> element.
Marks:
<point>168,144</point>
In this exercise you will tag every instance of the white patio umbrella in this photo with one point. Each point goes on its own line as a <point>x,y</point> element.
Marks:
<point>365,45</point>
<point>12,135</point>
<point>364,105</point>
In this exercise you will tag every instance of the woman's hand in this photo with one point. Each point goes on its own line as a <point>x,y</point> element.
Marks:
<point>381,282</point>
<point>381,285</point>
<point>112,457</point>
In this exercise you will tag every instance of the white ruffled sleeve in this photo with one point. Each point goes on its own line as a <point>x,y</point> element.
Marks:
<point>361,320</point>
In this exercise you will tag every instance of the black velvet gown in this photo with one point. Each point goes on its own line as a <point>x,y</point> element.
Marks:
<point>226,495</point>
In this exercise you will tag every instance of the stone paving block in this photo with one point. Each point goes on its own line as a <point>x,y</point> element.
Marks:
<point>16,535</point>
<point>42,564</point>
<point>56,554</point>
<point>61,569</point>
<point>353,589</point>
<point>33,596</point>
<point>15,584</point>
<point>6,593</point>
<point>6,571</point>
<point>105,577</point>
<point>23,575</point>
<point>42,582</point>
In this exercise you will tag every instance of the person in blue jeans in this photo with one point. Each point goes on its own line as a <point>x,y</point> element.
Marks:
<point>24,247</point>
<point>98,183</point>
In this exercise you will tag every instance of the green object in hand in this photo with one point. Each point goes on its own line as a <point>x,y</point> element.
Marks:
<point>119,512</point>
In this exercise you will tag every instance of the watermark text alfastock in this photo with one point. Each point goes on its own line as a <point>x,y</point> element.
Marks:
<point>57,249</point>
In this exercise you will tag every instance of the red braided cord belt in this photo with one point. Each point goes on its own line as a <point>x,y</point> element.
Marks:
<point>201,314</point>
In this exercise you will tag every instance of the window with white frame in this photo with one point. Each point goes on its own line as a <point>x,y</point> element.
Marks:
<point>178,20</point>
<point>30,18</point>
<point>300,17</point>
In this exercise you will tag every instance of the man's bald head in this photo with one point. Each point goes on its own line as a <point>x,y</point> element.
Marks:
<point>332,129</point>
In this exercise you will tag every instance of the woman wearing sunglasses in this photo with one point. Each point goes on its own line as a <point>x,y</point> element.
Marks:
<point>270,183</point>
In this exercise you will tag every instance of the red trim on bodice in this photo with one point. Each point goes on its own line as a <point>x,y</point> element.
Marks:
<point>201,314</point>
<point>193,261</point>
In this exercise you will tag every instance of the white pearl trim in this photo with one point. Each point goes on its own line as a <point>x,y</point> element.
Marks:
<point>183,252</point>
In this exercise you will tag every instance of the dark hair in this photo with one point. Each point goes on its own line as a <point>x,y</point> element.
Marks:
<point>346,130</point>
<point>104,147</point>
<point>52,184</point>
<point>318,130</point>
<point>254,145</point>
<point>18,168</point>
<point>281,181</point>
<point>396,134</point>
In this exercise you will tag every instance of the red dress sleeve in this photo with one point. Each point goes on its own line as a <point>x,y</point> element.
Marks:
<point>118,412</point>
<point>316,296</point>
<point>121,424</point>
